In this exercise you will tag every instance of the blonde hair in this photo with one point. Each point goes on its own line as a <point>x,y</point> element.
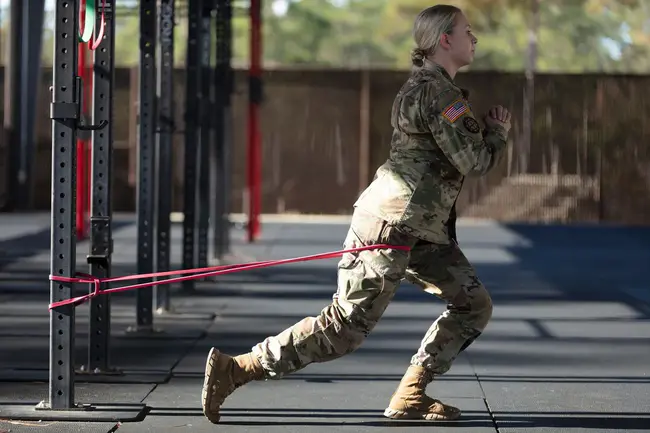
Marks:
<point>429,26</point>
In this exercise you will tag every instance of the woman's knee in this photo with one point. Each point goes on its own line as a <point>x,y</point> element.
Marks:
<point>333,333</point>
<point>481,308</point>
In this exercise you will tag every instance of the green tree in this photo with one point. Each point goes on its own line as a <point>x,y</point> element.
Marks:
<point>573,36</point>
<point>634,24</point>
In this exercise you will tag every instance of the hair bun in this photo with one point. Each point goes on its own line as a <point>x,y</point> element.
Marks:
<point>417,57</point>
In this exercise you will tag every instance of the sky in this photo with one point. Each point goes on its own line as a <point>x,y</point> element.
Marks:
<point>280,6</point>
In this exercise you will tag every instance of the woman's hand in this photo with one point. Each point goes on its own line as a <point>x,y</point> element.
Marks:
<point>498,115</point>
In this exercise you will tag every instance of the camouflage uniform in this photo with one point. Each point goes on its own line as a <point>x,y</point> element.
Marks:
<point>436,142</point>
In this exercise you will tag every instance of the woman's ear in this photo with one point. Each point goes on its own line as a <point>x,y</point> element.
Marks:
<point>444,41</point>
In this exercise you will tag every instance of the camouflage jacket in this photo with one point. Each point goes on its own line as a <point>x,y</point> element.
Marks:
<point>436,142</point>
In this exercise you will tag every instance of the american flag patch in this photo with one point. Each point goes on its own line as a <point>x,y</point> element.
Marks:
<point>455,110</point>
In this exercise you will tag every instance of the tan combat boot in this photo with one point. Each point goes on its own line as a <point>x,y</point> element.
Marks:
<point>410,402</point>
<point>224,374</point>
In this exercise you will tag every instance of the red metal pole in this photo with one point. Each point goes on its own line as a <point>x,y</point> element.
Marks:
<point>254,137</point>
<point>88,143</point>
<point>81,160</point>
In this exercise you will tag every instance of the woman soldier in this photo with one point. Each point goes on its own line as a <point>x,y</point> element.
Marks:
<point>436,143</point>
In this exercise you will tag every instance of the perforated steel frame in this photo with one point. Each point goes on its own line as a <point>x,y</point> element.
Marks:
<point>165,91</point>
<point>101,237</point>
<point>64,113</point>
<point>221,157</point>
<point>146,161</point>
<point>192,124</point>
<point>205,143</point>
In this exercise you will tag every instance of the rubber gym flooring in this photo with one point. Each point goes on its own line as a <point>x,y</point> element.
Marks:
<point>567,349</point>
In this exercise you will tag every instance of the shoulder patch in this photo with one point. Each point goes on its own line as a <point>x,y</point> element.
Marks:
<point>455,110</point>
<point>471,124</point>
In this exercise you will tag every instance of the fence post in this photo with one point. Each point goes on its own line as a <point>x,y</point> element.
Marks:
<point>364,130</point>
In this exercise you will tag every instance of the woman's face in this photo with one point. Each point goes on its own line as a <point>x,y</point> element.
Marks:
<point>462,42</point>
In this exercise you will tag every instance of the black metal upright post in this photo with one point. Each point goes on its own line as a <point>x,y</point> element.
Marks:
<point>165,91</point>
<point>146,161</point>
<point>192,124</point>
<point>206,130</point>
<point>101,239</point>
<point>220,160</point>
<point>64,111</point>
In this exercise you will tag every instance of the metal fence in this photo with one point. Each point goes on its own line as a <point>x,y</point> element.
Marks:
<point>325,132</point>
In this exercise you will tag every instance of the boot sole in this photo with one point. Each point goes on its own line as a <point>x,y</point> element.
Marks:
<point>398,414</point>
<point>205,391</point>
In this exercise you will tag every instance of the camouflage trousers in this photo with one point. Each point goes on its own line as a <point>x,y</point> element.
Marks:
<point>367,282</point>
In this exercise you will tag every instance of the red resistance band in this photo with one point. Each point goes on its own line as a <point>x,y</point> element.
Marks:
<point>203,273</point>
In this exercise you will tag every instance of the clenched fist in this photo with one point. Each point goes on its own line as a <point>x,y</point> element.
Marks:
<point>498,115</point>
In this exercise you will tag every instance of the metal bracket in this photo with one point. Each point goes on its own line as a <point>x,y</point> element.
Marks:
<point>72,110</point>
<point>80,124</point>
<point>167,125</point>
<point>102,246</point>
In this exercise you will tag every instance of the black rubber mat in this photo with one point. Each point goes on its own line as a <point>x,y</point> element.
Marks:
<point>566,348</point>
